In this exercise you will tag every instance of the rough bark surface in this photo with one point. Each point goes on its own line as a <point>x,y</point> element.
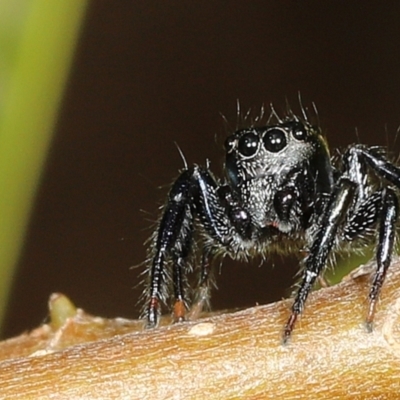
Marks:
<point>227,356</point>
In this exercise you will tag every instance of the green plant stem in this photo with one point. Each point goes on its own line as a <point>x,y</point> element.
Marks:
<point>40,46</point>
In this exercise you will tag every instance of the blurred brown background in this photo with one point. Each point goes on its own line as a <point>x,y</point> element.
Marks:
<point>150,73</point>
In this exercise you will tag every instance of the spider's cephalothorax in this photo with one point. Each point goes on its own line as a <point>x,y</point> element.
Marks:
<point>281,191</point>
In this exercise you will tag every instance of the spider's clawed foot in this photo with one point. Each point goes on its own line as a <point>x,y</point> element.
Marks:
<point>152,316</point>
<point>287,332</point>
<point>369,321</point>
<point>179,311</point>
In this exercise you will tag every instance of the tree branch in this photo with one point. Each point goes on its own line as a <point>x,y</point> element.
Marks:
<point>232,355</point>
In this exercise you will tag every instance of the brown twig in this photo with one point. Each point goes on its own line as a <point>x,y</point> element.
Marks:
<point>229,356</point>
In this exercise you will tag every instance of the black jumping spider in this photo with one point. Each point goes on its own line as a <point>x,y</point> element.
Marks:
<point>281,189</point>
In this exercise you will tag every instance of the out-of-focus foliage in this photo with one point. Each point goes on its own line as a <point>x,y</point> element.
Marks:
<point>37,39</point>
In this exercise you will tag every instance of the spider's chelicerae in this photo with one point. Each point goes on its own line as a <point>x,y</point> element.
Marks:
<point>281,189</point>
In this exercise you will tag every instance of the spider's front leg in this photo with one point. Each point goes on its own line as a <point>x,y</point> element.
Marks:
<point>363,210</point>
<point>387,230</point>
<point>195,192</point>
<point>321,247</point>
<point>388,217</point>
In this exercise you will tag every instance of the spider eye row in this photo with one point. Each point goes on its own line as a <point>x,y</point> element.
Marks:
<point>273,139</point>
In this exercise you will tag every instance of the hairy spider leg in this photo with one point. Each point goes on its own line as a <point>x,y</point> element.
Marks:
<point>387,232</point>
<point>194,192</point>
<point>320,249</point>
<point>381,205</point>
<point>171,229</point>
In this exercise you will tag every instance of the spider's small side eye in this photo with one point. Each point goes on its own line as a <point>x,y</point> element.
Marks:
<point>299,132</point>
<point>230,143</point>
<point>248,144</point>
<point>274,140</point>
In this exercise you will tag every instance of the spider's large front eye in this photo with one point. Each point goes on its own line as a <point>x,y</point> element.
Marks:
<point>274,140</point>
<point>248,144</point>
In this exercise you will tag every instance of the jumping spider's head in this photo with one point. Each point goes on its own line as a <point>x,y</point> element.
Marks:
<point>272,152</point>
<point>279,172</point>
